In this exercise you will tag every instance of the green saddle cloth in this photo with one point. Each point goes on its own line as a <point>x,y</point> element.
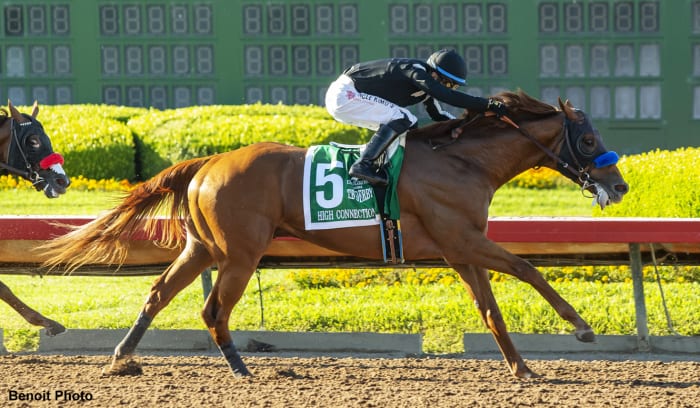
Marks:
<point>333,199</point>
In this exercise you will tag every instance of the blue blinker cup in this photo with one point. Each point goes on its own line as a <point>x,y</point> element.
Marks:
<point>606,159</point>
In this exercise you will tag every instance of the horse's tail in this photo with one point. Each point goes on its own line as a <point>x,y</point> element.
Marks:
<point>105,239</point>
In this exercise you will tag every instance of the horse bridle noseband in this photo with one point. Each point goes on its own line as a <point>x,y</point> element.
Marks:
<point>29,174</point>
<point>580,172</point>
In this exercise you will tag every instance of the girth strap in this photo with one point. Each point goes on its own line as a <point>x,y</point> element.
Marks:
<point>390,230</point>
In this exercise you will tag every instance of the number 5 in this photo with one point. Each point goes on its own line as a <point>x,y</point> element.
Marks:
<point>336,185</point>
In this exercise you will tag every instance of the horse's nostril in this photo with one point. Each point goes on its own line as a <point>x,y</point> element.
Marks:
<point>63,182</point>
<point>622,188</point>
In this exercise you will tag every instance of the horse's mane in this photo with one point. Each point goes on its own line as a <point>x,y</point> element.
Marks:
<point>521,107</point>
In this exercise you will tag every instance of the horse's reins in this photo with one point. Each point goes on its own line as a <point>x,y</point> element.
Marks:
<point>454,137</point>
<point>17,172</point>
<point>579,173</point>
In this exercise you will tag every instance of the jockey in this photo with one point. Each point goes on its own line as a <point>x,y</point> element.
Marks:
<point>375,94</point>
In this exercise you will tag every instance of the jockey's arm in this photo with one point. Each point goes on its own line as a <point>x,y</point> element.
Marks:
<point>432,106</point>
<point>444,94</point>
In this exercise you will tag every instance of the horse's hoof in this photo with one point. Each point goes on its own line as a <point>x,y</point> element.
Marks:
<point>54,329</point>
<point>586,336</point>
<point>127,366</point>
<point>522,371</point>
<point>527,375</point>
<point>241,372</point>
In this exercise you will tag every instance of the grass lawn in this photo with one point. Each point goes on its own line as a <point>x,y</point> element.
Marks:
<point>74,202</point>
<point>561,202</point>
<point>440,312</point>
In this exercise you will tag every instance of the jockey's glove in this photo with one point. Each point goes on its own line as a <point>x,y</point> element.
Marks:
<point>497,107</point>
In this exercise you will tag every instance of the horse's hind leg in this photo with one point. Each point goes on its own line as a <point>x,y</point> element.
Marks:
<point>30,315</point>
<point>477,282</point>
<point>180,274</point>
<point>232,279</point>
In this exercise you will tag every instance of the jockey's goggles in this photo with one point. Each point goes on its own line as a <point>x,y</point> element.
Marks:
<point>448,83</point>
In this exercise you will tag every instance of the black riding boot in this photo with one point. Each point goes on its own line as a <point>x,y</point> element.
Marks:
<point>364,167</point>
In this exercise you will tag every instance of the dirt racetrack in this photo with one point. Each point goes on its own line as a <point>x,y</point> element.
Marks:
<point>199,381</point>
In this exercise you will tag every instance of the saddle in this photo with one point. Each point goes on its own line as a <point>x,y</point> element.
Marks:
<point>333,199</point>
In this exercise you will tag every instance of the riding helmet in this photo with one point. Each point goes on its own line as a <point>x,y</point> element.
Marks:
<point>450,65</point>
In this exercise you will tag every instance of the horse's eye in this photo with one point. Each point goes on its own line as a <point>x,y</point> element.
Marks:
<point>34,142</point>
<point>586,145</point>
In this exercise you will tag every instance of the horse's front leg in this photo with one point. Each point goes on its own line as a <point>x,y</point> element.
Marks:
<point>477,282</point>
<point>524,271</point>
<point>487,254</point>
<point>30,315</point>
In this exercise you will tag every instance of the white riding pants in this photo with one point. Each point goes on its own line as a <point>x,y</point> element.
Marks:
<point>347,105</point>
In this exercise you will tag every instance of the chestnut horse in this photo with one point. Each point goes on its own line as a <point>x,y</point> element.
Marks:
<point>26,151</point>
<point>226,209</point>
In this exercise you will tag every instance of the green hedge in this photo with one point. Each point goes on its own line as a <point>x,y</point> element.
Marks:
<point>93,139</point>
<point>171,136</point>
<point>116,142</point>
<point>662,184</point>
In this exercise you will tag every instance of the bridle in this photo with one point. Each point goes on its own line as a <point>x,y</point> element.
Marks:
<point>577,172</point>
<point>26,174</point>
<point>18,138</point>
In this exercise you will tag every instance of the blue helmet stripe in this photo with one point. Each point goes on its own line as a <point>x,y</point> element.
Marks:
<point>457,79</point>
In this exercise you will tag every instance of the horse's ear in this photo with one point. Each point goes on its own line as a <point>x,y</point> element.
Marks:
<point>568,109</point>
<point>35,109</point>
<point>15,113</point>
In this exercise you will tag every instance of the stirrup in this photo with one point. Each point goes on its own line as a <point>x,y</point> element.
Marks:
<point>376,181</point>
<point>365,171</point>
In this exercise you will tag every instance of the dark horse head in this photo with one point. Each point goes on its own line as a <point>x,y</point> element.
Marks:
<point>25,151</point>
<point>574,147</point>
<point>584,158</point>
